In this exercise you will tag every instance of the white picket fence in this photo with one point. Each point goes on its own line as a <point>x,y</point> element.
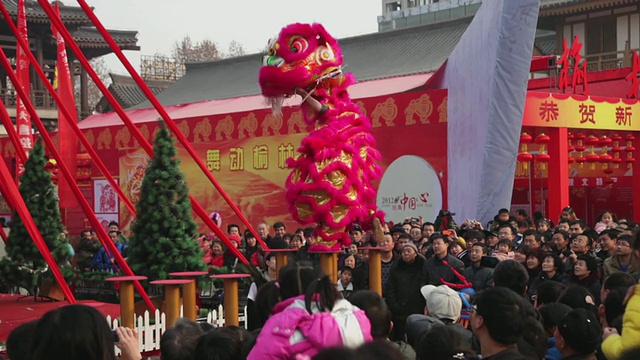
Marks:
<point>149,334</point>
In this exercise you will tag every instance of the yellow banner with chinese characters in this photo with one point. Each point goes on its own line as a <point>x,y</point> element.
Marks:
<point>581,112</point>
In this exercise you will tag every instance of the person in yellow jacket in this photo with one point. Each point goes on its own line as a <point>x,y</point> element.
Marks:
<point>615,344</point>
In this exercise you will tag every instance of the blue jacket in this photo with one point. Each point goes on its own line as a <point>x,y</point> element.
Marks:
<point>102,260</point>
<point>552,351</point>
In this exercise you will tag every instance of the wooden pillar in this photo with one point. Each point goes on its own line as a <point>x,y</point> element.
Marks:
<point>231,301</point>
<point>635,180</point>
<point>558,173</point>
<point>189,292</point>
<point>375,269</point>
<point>84,94</point>
<point>329,264</point>
<point>282,258</point>
<point>127,300</point>
<point>37,52</point>
<point>171,299</point>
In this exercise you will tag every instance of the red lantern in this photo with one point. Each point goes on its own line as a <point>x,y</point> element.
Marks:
<point>580,148</point>
<point>570,138</point>
<point>524,156</point>
<point>630,149</point>
<point>83,166</point>
<point>542,157</point>
<point>570,148</point>
<point>616,151</point>
<point>605,158</point>
<point>592,158</point>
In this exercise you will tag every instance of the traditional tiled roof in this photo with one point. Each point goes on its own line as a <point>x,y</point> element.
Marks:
<point>68,14</point>
<point>546,42</point>
<point>557,7</point>
<point>127,92</point>
<point>374,56</point>
<point>90,37</point>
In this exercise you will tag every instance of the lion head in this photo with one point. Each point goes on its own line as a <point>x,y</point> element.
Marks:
<point>300,57</point>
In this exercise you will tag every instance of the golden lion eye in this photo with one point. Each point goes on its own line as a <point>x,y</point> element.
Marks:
<point>299,45</point>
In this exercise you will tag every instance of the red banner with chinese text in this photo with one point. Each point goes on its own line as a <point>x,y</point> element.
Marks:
<point>581,112</point>
<point>247,152</point>
<point>23,119</point>
<point>67,141</point>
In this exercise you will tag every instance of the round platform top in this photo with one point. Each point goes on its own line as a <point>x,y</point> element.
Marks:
<point>229,276</point>
<point>370,248</point>
<point>188,273</point>
<point>282,250</point>
<point>126,278</point>
<point>324,251</point>
<point>171,282</point>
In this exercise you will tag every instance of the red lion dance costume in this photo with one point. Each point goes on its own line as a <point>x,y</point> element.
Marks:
<point>330,184</point>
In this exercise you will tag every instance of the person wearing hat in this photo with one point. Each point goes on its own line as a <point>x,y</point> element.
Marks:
<point>551,316</point>
<point>491,239</point>
<point>356,234</point>
<point>403,288</point>
<point>443,306</point>
<point>578,335</point>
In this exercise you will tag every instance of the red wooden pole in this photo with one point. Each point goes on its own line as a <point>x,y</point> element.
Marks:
<point>10,191</point>
<point>144,143</point>
<point>156,104</point>
<point>11,131</point>
<point>102,234</point>
<point>68,117</point>
<point>3,235</point>
<point>635,177</point>
<point>558,174</point>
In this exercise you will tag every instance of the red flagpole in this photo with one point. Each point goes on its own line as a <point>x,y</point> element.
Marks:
<point>102,234</point>
<point>170,123</point>
<point>66,117</point>
<point>66,139</point>
<point>10,191</point>
<point>3,235</point>
<point>144,143</point>
<point>23,120</point>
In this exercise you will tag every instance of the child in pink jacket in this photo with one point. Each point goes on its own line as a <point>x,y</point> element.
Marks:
<point>310,317</point>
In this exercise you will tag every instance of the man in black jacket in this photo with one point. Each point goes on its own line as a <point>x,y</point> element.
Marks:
<point>439,268</point>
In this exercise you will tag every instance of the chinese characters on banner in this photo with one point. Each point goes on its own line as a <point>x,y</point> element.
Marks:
<point>259,159</point>
<point>572,67</point>
<point>582,112</point>
<point>23,119</point>
<point>634,76</point>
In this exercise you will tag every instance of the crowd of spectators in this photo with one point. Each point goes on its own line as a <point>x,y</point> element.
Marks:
<point>515,288</point>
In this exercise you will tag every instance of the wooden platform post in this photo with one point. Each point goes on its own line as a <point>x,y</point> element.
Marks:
<point>127,300</point>
<point>189,292</point>
<point>171,298</point>
<point>375,269</point>
<point>230,297</point>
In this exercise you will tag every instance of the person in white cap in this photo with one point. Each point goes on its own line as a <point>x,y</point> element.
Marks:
<point>443,306</point>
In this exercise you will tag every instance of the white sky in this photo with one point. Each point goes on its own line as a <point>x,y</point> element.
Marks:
<point>160,23</point>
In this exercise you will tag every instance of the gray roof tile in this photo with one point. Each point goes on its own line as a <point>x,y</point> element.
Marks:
<point>68,14</point>
<point>374,56</point>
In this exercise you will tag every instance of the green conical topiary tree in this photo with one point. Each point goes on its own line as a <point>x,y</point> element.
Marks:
<point>39,194</point>
<point>164,233</point>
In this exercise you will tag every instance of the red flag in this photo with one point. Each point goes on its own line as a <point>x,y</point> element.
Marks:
<point>23,120</point>
<point>67,141</point>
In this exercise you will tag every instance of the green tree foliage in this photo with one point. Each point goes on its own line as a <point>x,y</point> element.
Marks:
<point>164,233</point>
<point>39,194</point>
